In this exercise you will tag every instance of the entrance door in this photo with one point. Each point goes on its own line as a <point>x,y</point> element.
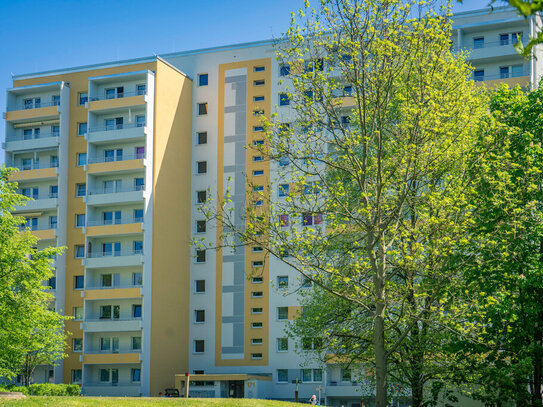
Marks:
<point>236,389</point>
<point>114,377</point>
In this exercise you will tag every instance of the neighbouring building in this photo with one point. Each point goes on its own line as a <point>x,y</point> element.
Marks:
<point>119,156</point>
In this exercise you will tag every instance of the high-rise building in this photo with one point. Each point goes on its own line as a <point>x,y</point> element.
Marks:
<point>120,156</point>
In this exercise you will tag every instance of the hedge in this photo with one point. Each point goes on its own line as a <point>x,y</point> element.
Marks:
<point>46,389</point>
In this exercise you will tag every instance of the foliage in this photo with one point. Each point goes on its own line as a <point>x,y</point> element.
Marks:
<point>30,332</point>
<point>375,153</point>
<point>506,359</point>
<point>142,402</point>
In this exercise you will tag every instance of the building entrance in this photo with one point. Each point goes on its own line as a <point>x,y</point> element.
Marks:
<point>236,389</point>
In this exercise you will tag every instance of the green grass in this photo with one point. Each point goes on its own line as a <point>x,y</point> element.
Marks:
<point>33,401</point>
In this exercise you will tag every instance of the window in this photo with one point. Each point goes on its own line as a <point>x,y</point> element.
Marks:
<point>258,98</point>
<point>256,355</point>
<point>114,124</point>
<point>81,129</point>
<point>479,75</point>
<point>202,109</point>
<point>53,161</point>
<point>79,251</point>
<point>105,344</point>
<point>201,226</point>
<point>138,246</point>
<point>135,375</point>
<point>203,79</point>
<point>78,313</point>
<point>200,286</point>
<point>140,121</point>
<point>283,190</point>
<point>314,65</point>
<point>77,374</point>
<point>52,283</point>
<point>201,137</point>
<point>113,93</point>
<point>136,343</point>
<point>311,375</point>
<point>517,70</point>
<point>282,344</point>
<point>199,346</point>
<point>311,343</point>
<point>200,256</point>
<point>138,215</point>
<point>256,341</point>
<point>113,155</point>
<point>81,159</point>
<point>258,158</point>
<point>515,37</point>
<point>55,131</point>
<point>256,310</point>
<point>259,68</point>
<point>55,99</point>
<point>136,311</point>
<point>258,188</point>
<point>257,280</point>
<point>258,112</point>
<point>257,294</point>
<point>478,42</point>
<point>284,99</point>
<point>284,70</point>
<point>282,281</point>
<point>259,82</point>
<point>81,190</point>
<point>139,184</point>
<point>52,222</point>
<point>282,375</point>
<point>106,280</point>
<point>199,316</point>
<point>306,282</point>
<point>345,375</point>
<point>258,172</point>
<point>80,220</point>
<point>201,196</point>
<point>504,72</point>
<point>258,128</point>
<point>504,39</point>
<point>257,249</point>
<point>77,344</point>
<point>106,312</point>
<point>104,375</point>
<point>258,263</point>
<point>282,313</point>
<point>79,282</point>
<point>256,325</point>
<point>111,218</point>
<point>83,98</point>
<point>137,278</point>
<point>53,191</point>
<point>141,89</point>
<point>201,167</point>
<point>257,143</point>
<point>283,251</point>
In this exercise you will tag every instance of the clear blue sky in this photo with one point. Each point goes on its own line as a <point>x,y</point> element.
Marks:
<point>38,35</point>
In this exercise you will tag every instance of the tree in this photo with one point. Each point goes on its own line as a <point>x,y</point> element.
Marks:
<point>31,333</point>
<point>374,162</point>
<point>506,362</point>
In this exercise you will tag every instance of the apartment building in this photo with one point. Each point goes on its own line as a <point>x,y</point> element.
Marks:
<point>119,157</point>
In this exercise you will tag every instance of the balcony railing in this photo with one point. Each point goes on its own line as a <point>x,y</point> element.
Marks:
<point>33,105</point>
<point>122,221</point>
<point>95,319</point>
<point>41,196</point>
<point>113,253</point>
<point>32,137</point>
<point>97,129</point>
<point>114,190</point>
<point>112,287</point>
<point>37,227</point>
<point>487,44</point>
<point>124,157</point>
<point>109,352</point>
<point>119,95</point>
<point>483,78</point>
<point>32,166</point>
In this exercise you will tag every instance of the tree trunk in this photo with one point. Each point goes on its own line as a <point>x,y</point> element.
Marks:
<point>379,333</point>
<point>537,397</point>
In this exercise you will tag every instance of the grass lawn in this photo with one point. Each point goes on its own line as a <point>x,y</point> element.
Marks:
<point>139,402</point>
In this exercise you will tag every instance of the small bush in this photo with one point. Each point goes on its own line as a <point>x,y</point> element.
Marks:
<point>45,389</point>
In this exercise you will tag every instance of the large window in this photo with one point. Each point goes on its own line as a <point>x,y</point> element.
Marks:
<point>478,42</point>
<point>203,79</point>
<point>282,375</point>
<point>77,374</point>
<point>80,220</point>
<point>201,137</point>
<point>201,196</point>
<point>282,344</point>
<point>282,313</point>
<point>135,375</point>
<point>77,344</point>
<point>284,99</point>
<point>200,286</point>
<point>200,256</point>
<point>199,346</point>
<point>81,128</point>
<point>83,98</point>
<point>136,343</point>
<point>79,282</point>
<point>136,311</point>
<point>199,316</point>
<point>78,313</point>
<point>81,190</point>
<point>201,167</point>
<point>311,375</point>
<point>202,109</point>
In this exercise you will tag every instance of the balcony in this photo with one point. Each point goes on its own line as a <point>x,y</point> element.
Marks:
<point>490,50</point>
<point>39,203</point>
<point>106,196</point>
<point>47,232</point>
<point>31,112</point>
<point>20,142</point>
<point>111,325</point>
<point>125,226</point>
<point>107,293</point>
<point>99,358</point>
<point>342,389</point>
<point>117,102</point>
<point>108,390</point>
<point>119,133</point>
<point>34,171</point>
<point>102,165</point>
<point>126,258</point>
<point>491,81</point>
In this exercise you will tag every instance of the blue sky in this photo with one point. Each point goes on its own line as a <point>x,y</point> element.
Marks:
<point>38,35</point>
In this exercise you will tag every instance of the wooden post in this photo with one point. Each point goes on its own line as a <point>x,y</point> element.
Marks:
<point>187,381</point>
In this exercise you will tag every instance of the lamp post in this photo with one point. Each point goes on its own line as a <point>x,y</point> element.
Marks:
<point>319,389</point>
<point>296,382</point>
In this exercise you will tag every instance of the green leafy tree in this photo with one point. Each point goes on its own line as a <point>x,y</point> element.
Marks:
<point>375,155</point>
<point>31,333</point>
<point>506,360</point>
